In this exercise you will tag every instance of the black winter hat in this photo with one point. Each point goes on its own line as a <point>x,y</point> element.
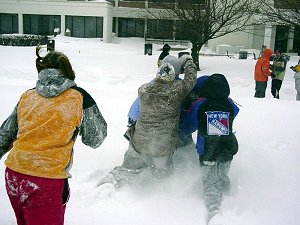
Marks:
<point>215,86</point>
<point>166,47</point>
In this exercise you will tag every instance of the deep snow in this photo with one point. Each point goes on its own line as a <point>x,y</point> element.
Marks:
<point>265,174</point>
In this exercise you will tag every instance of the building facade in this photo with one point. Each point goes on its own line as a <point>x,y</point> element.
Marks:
<point>122,18</point>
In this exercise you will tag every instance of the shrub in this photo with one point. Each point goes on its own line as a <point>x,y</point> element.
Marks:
<point>23,39</point>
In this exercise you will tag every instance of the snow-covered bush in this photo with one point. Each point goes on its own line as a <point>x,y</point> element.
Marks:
<point>23,39</point>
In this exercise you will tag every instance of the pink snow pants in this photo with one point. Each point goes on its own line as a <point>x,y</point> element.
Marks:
<point>36,200</point>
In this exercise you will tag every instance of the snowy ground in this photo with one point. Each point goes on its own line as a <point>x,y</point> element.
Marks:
<point>264,174</point>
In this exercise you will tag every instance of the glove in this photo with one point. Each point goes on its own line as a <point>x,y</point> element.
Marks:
<point>185,58</point>
<point>189,64</point>
<point>273,75</point>
<point>292,68</point>
<point>131,122</point>
<point>297,68</point>
<point>187,61</point>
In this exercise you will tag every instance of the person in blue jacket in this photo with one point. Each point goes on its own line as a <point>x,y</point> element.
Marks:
<point>212,115</point>
<point>184,134</point>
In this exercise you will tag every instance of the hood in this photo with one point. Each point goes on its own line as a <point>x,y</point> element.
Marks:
<point>166,48</point>
<point>51,83</point>
<point>267,53</point>
<point>175,62</point>
<point>199,82</point>
<point>166,72</point>
<point>215,86</point>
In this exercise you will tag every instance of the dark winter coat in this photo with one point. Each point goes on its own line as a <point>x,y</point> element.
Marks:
<point>212,115</point>
<point>279,66</point>
<point>44,125</point>
<point>156,129</point>
<point>163,54</point>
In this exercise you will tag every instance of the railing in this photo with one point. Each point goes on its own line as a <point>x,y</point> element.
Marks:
<point>166,41</point>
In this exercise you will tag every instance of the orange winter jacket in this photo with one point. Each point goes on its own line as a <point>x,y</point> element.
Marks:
<point>47,137</point>
<point>45,123</point>
<point>262,67</point>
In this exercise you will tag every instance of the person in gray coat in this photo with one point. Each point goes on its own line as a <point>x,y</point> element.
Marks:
<point>153,139</point>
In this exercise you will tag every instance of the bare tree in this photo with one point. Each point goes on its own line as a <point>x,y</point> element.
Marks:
<point>202,20</point>
<point>280,12</point>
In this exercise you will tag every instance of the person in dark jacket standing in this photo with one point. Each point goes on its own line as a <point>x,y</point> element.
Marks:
<point>278,71</point>
<point>153,139</point>
<point>39,136</point>
<point>212,115</point>
<point>165,52</point>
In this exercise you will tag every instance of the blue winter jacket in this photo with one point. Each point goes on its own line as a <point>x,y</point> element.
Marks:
<point>212,115</point>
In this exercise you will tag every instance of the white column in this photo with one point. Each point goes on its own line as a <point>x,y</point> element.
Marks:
<point>145,28</point>
<point>268,36</point>
<point>20,23</point>
<point>117,26</point>
<point>107,26</point>
<point>290,39</point>
<point>62,24</point>
<point>116,20</point>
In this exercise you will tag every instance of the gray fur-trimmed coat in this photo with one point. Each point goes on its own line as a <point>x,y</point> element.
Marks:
<point>156,130</point>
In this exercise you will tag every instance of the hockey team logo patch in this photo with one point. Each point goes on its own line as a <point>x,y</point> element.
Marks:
<point>217,123</point>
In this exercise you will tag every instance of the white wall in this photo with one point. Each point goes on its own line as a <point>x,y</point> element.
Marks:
<point>63,7</point>
<point>55,7</point>
<point>235,39</point>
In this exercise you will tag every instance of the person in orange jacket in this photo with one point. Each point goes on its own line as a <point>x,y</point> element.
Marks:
<point>262,73</point>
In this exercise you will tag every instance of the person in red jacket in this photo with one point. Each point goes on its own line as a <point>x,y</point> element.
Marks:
<point>262,73</point>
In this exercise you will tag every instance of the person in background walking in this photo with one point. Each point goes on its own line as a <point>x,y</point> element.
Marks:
<point>165,52</point>
<point>262,73</point>
<point>296,69</point>
<point>278,71</point>
<point>39,136</point>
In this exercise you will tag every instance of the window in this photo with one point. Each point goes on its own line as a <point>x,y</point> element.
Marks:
<point>85,26</point>
<point>296,44</point>
<point>160,29</point>
<point>131,27</point>
<point>181,33</point>
<point>40,24</point>
<point>281,38</point>
<point>8,23</point>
